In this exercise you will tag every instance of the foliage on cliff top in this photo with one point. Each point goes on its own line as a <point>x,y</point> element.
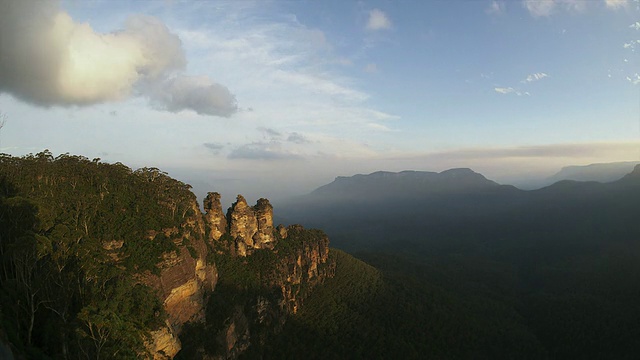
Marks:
<point>73,233</point>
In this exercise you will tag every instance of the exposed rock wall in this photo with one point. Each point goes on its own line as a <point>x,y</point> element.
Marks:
<point>242,225</point>
<point>264,238</point>
<point>184,279</point>
<point>215,221</point>
<point>304,268</point>
<point>251,227</point>
<point>287,280</point>
<point>164,343</point>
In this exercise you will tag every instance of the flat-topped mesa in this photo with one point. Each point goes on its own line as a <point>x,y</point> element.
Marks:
<point>215,220</point>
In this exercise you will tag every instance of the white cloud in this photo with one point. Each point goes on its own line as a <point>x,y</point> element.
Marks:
<point>496,8</point>
<point>617,4</point>
<point>49,59</point>
<point>371,68</point>
<point>502,90</point>
<point>297,138</point>
<point>634,79</point>
<point>272,150</point>
<point>215,148</point>
<point>635,26</point>
<point>574,5</point>
<point>317,84</point>
<point>535,77</point>
<point>546,8</point>
<point>538,8</point>
<point>510,90</point>
<point>199,94</point>
<point>379,127</point>
<point>378,20</point>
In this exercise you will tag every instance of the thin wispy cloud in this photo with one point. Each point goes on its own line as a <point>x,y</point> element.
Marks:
<point>539,8</point>
<point>617,4</point>
<point>571,150</point>
<point>378,20</point>
<point>496,8</point>
<point>503,90</point>
<point>371,68</point>
<point>546,8</point>
<point>535,77</point>
<point>510,90</point>
<point>297,138</point>
<point>272,150</point>
<point>214,147</point>
<point>379,127</point>
<point>634,79</point>
<point>318,84</point>
<point>270,133</point>
<point>287,73</point>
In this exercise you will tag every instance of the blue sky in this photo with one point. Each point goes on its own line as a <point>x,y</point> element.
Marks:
<point>275,98</point>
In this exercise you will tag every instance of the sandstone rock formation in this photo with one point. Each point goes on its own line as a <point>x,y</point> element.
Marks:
<point>304,268</point>
<point>184,279</point>
<point>164,343</point>
<point>215,220</point>
<point>264,236</point>
<point>282,231</point>
<point>251,227</point>
<point>242,225</point>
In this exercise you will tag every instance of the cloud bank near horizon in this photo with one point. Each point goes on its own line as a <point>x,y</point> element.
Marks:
<point>48,59</point>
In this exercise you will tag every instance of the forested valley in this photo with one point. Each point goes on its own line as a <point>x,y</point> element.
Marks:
<point>473,269</point>
<point>448,265</point>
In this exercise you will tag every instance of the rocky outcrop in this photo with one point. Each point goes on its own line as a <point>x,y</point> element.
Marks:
<point>235,336</point>
<point>282,231</point>
<point>245,318</point>
<point>305,267</point>
<point>264,238</point>
<point>164,343</point>
<point>215,221</point>
<point>251,227</point>
<point>242,225</point>
<point>184,280</point>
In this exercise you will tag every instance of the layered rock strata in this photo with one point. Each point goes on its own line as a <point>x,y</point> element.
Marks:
<point>251,227</point>
<point>216,222</point>
<point>185,278</point>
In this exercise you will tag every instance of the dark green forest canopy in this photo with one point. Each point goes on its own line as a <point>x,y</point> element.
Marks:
<point>552,273</point>
<point>74,233</point>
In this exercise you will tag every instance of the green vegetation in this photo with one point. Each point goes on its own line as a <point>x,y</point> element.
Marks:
<point>75,234</point>
<point>552,273</point>
<point>254,293</point>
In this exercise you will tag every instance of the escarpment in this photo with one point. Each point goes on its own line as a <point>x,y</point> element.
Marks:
<point>265,273</point>
<point>124,262</point>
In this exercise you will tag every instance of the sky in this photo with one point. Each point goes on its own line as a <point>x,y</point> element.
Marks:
<point>275,98</point>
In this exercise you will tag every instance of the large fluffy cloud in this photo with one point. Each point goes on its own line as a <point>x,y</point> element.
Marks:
<point>196,93</point>
<point>46,58</point>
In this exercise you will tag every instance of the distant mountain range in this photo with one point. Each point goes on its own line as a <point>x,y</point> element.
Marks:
<point>384,185</point>
<point>552,273</point>
<point>385,205</point>
<point>605,172</point>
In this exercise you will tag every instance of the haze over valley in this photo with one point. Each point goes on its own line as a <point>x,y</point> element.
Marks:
<point>319,179</point>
